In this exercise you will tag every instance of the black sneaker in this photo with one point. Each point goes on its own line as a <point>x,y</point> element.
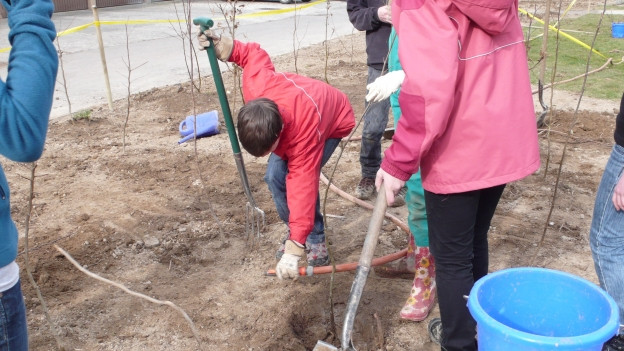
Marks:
<point>435,330</point>
<point>365,188</point>
<point>616,343</point>
<point>399,199</point>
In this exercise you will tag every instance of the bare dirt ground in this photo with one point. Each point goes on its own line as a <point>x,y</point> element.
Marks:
<point>168,221</point>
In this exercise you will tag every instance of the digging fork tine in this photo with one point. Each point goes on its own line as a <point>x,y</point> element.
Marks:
<point>255,220</point>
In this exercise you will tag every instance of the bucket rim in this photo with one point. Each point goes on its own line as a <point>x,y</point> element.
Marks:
<point>599,335</point>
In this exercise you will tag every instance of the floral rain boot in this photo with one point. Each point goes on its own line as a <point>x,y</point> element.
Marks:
<point>404,268</point>
<point>317,254</point>
<point>422,296</point>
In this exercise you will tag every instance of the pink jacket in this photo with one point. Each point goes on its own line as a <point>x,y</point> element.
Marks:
<point>312,112</point>
<point>468,119</point>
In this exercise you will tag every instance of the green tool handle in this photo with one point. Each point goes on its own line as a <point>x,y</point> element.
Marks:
<point>206,23</point>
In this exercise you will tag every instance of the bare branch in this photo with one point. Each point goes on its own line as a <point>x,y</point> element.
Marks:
<point>122,287</point>
<point>569,136</point>
<point>64,83</point>
<point>44,305</point>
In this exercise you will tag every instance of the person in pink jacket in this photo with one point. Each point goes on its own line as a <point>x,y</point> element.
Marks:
<point>468,122</point>
<point>299,121</point>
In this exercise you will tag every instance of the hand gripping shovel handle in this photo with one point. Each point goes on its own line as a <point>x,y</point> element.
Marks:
<point>364,265</point>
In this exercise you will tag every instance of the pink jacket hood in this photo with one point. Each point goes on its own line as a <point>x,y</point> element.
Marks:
<point>467,109</point>
<point>492,16</point>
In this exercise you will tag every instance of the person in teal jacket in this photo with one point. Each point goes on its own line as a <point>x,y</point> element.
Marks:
<point>25,104</point>
<point>418,263</point>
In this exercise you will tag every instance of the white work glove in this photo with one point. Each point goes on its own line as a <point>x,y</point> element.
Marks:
<point>288,265</point>
<point>385,14</point>
<point>384,86</point>
<point>223,45</point>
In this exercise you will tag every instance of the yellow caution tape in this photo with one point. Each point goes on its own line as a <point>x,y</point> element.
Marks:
<point>74,30</point>
<point>564,34</point>
<point>249,15</point>
<point>566,12</point>
<point>277,12</point>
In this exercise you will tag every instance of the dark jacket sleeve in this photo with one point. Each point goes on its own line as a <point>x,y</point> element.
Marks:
<point>362,16</point>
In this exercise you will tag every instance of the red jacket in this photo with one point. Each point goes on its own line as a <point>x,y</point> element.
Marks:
<point>468,119</point>
<point>312,112</point>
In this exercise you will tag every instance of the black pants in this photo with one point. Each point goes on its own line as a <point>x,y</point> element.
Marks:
<point>458,226</point>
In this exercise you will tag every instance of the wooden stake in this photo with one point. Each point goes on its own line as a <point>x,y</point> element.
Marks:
<point>96,20</point>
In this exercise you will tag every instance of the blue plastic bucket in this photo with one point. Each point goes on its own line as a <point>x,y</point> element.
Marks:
<point>617,29</point>
<point>530,309</point>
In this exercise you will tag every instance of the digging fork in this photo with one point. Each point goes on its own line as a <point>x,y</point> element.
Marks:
<point>254,216</point>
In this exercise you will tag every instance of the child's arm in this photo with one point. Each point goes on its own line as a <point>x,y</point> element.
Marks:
<point>26,97</point>
<point>302,187</point>
<point>251,57</point>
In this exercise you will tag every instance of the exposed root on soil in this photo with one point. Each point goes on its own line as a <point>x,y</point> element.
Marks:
<point>605,65</point>
<point>122,287</point>
<point>364,204</point>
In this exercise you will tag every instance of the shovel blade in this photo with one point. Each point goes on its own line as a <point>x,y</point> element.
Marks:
<point>323,346</point>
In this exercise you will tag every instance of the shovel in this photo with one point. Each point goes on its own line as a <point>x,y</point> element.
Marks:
<point>361,273</point>
<point>255,218</point>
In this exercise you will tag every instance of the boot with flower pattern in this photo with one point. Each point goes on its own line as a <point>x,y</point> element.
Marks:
<point>317,254</point>
<point>404,267</point>
<point>422,296</point>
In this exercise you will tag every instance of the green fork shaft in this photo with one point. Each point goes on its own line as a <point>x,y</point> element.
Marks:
<point>206,23</point>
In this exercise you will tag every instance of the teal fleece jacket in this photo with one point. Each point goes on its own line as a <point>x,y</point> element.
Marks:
<point>25,99</point>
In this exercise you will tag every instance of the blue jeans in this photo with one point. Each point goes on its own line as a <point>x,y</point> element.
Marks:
<point>275,177</point>
<point>13,329</point>
<point>606,235</point>
<point>375,122</point>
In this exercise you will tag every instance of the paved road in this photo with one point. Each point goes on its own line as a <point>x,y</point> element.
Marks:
<point>156,49</point>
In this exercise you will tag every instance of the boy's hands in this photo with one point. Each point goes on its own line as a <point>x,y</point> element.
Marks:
<point>288,266</point>
<point>384,86</point>
<point>223,45</point>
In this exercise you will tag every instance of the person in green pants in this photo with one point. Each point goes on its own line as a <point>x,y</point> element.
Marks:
<point>418,260</point>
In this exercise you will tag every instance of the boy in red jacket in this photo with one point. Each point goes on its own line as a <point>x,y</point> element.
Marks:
<point>299,121</point>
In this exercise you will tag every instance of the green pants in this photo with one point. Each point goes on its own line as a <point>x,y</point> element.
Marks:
<point>415,197</point>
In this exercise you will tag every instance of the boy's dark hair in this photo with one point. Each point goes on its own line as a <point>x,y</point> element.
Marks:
<point>259,125</point>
